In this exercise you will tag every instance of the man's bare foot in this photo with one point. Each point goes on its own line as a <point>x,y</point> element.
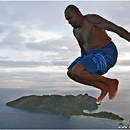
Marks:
<point>113,89</point>
<point>101,97</point>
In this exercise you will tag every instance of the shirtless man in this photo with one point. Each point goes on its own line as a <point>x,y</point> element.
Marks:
<point>98,52</point>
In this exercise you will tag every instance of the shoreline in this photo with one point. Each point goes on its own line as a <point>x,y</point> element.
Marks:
<point>62,105</point>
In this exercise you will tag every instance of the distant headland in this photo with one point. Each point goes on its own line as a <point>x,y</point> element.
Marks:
<point>65,105</point>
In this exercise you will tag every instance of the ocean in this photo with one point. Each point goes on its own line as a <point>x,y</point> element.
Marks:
<point>13,118</point>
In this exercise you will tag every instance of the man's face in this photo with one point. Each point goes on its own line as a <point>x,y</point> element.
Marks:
<point>72,18</point>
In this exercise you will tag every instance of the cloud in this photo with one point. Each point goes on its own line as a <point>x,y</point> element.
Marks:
<point>37,44</point>
<point>123,62</point>
<point>43,15</point>
<point>16,64</point>
<point>33,78</point>
<point>19,64</point>
<point>65,43</point>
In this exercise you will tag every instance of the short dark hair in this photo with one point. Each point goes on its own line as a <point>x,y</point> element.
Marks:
<point>71,7</point>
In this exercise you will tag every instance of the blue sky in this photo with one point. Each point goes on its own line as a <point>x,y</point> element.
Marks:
<point>37,44</point>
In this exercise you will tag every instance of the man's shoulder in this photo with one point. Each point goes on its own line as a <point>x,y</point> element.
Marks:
<point>90,15</point>
<point>76,31</point>
<point>93,18</point>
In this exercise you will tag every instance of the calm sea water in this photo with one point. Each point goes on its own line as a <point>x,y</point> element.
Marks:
<point>12,118</point>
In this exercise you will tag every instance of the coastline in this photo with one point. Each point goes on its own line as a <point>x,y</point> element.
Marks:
<point>63,105</point>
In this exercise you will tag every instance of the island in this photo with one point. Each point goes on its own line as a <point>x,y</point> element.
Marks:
<point>64,105</point>
<point>104,114</point>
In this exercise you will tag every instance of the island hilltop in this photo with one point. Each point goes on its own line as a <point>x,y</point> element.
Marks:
<point>65,105</point>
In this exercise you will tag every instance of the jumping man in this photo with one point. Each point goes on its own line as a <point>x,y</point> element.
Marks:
<point>98,52</point>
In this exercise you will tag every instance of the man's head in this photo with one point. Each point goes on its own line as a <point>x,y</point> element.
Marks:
<point>73,16</point>
<point>71,8</point>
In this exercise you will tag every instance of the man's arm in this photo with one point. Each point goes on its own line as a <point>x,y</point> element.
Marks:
<point>107,25</point>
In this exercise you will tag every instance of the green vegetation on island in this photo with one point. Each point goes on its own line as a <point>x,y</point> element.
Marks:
<point>65,105</point>
<point>105,114</point>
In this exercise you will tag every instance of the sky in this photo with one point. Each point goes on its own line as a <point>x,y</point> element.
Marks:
<point>37,44</point>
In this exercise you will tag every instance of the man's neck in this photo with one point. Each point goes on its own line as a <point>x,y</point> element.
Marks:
<point>82,20</point>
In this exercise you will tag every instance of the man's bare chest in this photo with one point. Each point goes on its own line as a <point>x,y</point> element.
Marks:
<point>84,35</point>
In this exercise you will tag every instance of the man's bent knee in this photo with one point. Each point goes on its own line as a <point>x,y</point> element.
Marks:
<point>77,70</point>
<point>76,73</point>
<point>69,73</point>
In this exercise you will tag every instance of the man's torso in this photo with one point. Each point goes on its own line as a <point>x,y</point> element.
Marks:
<point>90,36</point>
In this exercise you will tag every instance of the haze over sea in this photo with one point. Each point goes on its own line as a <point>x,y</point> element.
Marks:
<point>12,118</point>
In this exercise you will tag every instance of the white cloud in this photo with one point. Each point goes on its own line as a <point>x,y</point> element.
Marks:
<point>37,44</point>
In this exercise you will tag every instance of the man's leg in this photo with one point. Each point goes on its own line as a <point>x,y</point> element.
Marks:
<point>102,87</point>
<point>81,75</point>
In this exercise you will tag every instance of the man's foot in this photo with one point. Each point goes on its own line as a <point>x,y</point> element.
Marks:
<point>101,97</point>
<point>113,89</point>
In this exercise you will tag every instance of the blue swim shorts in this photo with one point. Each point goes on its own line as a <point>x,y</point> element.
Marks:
<point>98,61</point>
